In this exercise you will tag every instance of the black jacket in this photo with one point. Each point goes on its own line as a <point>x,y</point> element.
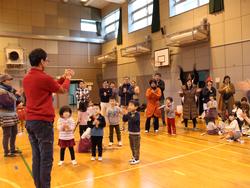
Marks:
<point>126,96</point>
<point>133,122</point>
<point>161,85</point>
<point>206,93</point>
<point>108,92</point>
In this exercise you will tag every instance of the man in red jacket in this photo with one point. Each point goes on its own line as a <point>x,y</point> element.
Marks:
<point>38,88</point>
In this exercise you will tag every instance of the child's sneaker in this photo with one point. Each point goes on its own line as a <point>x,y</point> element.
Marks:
<point>132,159</point>
<point>99,158</point>
<point>220,133</point>
<point>92,159</point>
<point>119,143</point>
<point>60,163</point>
<point>110,143</point>
<point>229,140</point>
<point>156,131</point>
<point>146,131</point>
<point>241,141</point>
<point>74,162</point>
<point>134,162</point>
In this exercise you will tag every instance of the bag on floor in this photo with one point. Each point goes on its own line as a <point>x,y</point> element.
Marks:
<point>84,145</point>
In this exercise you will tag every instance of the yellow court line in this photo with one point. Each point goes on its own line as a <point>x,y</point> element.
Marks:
<point>138,167</point>
<point>9,182</point>
<point>180,173</point>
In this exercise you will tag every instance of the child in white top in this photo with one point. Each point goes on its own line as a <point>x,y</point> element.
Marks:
<point>66,126</point>
<point>233,130</point>
<point>238,113</point>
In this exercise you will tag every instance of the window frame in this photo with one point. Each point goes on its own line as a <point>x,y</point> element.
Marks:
<point>89,22</point>
<point>174,3</point>
<point>115,23</point>
<point>131,20</point>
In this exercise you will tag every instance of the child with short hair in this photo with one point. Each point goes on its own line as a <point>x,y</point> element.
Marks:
<point>113,116</point>
<point>83,117</point>
<point>211,110</point>
<point>238,113</point>
<point>245,105</point>
<point>170,115</point>
<point>66,126</point>
<point>233,129</point>
<point>97,123</point>
<point>133,118</point>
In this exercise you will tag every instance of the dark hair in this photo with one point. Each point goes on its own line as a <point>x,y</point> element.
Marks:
<point>105,81</point>
<point>170,99</point>
<point>211,95</point>
<point>231,114</point>
<point>225,77</point>
<point>112,98</point>
<point>158,74</point>
<point>36,56</point>
<point>126,77</point>
<point>134,102</point>
<point>237,104</point>
<point>244,99</point>
<point>82,106</point>
<point>112,82</point>
<point>65,109</point>
<point>152,80</point>
<point>82,81</point>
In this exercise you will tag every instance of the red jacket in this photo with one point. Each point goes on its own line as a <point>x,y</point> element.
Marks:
<point>153,102</point>
<point>38,88</point>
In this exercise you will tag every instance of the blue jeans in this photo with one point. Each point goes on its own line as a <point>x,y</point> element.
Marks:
<point>41,136</point>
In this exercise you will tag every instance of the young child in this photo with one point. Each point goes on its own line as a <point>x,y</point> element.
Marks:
<point>238,113</point>
<point>133,118</point>
<point>83,117</point>
<point>170,114</point>
<point>211,111</point>
<point>21,117</point>
<point>233,130</point>
<point>97,123</point>
<point>84,145</point>
<point>66,126</point>
<point>245,105</point>
<point>91,108</point>
<point>113,116</point>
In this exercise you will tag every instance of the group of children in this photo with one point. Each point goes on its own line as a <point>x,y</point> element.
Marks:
<point>232,128</point>
<point>91,124</point>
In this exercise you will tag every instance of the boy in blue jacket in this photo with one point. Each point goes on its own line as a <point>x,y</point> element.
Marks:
<point>133,119</point>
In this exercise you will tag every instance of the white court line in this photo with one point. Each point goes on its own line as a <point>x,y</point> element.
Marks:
<point>9,182</point>
<point>180,173</point>
<point>138,167</point>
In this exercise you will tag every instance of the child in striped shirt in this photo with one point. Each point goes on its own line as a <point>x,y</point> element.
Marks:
<point>66,126</point>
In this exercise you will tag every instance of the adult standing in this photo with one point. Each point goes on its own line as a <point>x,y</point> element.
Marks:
<point>161,85</point>
<point>135,90</point>
<point>190,111</point>
<point>226,100</point>
<point>82,94</point>
<point>8,116</point>
<point>115,90</point>
<point>153,95</point>
<point>208,91</point>
<point>105,93</point>
<point>38,88</point>
<point>126,94</point>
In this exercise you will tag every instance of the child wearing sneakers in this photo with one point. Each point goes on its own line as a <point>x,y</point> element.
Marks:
<point>233,129</point>
<point>97,123</point>
<point>66,126</point>
<point>170,113</point>
<point>133,118</point>
<point>113,116</point>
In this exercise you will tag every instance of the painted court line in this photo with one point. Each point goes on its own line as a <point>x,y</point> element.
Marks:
<point>138,167</point>
<point>180,173</point>
<point>9,182</point>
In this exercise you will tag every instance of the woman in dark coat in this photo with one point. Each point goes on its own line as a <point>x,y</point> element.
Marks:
<point>190,93</point>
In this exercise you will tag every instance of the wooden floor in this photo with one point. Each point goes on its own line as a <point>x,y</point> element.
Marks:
<point>187,160</point>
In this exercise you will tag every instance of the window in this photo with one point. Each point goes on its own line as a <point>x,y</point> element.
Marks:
<point>88,25</point>
<point>179,6</point>
<point>111,22</point>
<point>139,14</point>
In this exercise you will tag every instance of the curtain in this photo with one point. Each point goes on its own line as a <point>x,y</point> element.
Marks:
<point>98,28</point>
<point>156,25</point>
<point>119,34</point>
<point>216,6</point>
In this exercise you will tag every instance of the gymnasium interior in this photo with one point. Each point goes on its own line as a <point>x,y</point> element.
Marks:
<point>109,40</point>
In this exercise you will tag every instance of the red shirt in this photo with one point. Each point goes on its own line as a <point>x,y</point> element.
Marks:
<point>38,89</point>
